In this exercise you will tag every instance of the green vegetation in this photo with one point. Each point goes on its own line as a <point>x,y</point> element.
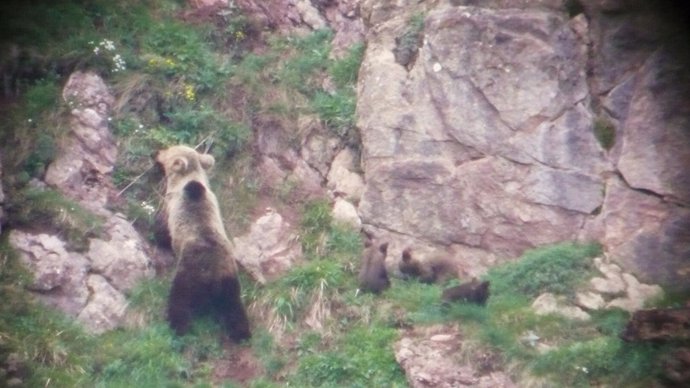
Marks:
<point>363,357</point>
<point>558,269</point>
<point>47,208</point>
<point>197,83</point>
<point>605,132</point>
<point>54,350</point>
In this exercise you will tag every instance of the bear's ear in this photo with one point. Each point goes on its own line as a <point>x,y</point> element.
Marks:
<point>207,161</point>
<point>179,165</point>
<point>383,248</point>
<point>406,256</point>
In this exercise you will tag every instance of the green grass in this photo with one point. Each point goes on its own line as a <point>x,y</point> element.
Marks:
<point>558,269</point>
<point>603,359</point>
<point>363,357</point>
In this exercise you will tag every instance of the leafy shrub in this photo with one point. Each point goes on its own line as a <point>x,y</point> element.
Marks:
<point>316,221</point>
<point>312,275</point>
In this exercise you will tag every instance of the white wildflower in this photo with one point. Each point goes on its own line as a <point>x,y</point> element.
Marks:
<point>108,45</point>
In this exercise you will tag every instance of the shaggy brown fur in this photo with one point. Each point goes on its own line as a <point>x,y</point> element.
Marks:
<point>206,273</point>
<point>373,276</point>
<point>431,271</point>
<point>472,292</point>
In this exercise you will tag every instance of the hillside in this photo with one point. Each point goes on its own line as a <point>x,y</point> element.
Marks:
<point>537,145</point>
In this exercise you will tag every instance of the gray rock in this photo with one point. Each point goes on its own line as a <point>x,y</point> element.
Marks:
<point>269,249</point>
<point>656,138</point>
<point>589,300</point>
<point>59,275</point>
<point>645,235</point>
<point>346,213</point>
<point>486,143</point>
<point>106,306</point>
<point>122,259</point>
<point>343,179</point>
<point>318,149</point>
<point>87,157</point>
<point>430,357</point>
<point>548,303</point>
<point>637,294</point>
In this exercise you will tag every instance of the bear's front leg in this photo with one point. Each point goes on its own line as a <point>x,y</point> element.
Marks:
<point>181,304</point>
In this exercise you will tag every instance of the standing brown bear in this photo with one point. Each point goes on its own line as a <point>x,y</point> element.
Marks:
<point>206,273</point>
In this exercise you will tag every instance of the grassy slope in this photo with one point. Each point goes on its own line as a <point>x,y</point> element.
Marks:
<point>201,85</point>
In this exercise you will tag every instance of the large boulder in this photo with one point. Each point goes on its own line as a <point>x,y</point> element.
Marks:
<point>69,281</point>
<point>269,249</point>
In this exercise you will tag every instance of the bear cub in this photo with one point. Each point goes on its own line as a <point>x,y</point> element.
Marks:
<point>470,292</point>
<point>433,270</point>
<point>205,272</point>
<point>373,276</point>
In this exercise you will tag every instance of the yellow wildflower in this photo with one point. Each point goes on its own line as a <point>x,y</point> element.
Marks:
<point>189,92</point>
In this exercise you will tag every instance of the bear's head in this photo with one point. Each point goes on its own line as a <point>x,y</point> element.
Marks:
<point>182,164</point>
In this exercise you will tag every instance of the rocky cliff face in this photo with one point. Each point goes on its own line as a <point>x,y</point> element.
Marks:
<point>89,285</point>
<point>483,141</point>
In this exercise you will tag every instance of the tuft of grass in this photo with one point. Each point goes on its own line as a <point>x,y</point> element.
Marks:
<point>315,223</point>
<point>557,268</point>
<point>336,110</point>
<point>150,298</point>
<point>605,132</point>
<point>345,70</point>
